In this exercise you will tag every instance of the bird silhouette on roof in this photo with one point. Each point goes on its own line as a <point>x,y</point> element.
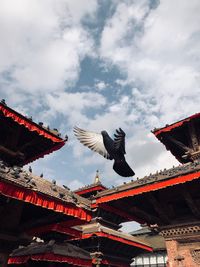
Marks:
<point>111,149</point>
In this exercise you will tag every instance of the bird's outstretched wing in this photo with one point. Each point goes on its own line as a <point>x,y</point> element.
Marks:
<point>119,141</point>
<point>92,140</point>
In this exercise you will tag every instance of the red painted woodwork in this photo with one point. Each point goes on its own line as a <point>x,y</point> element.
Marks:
<point>147,188</point>
<point>35,198</point>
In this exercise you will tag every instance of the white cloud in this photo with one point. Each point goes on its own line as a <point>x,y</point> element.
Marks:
<point>161,57</point>
<point>74,105</point>
<point>42,43</point>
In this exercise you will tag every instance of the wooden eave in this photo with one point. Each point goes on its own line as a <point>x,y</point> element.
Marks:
<point>172,126</point>
<point>182,138</point>
<point>52,252</point>
<point>22,136</point>
<point>88,190</point>
<point>97,229</point>
<point>160,198</point>
<point>156,181</point>
<point>18,184</point>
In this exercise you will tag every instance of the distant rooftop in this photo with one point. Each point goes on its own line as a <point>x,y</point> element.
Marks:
<point>91,189</point>
<point>153,238</point>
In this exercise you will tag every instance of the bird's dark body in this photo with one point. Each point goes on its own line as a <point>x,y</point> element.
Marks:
<point>109,148</point>
<point>120,165</point>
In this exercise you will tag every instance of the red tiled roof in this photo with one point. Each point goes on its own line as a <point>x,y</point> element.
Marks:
<point>172,126</point>
<point>57,142</point>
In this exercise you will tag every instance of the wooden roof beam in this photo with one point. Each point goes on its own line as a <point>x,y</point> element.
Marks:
<point>189,201</point>
<point>136,212</point>
<point>147,217</point>
<point>13,139</point>
<point>158,208</point>
<point>31,143</point>
<point>193,136</point>
<point>11,213</point>
<point>179,144</point>
<point>45,220</point>
<point>124,213</point>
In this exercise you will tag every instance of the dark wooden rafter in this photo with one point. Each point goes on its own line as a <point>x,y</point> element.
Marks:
<point>123,212</point>
<point>29,144</point>
<point>158,207</point>
<point>134,213</point>
<point>10,153</point>
<point>45,220</point>
<point>11,214</point>
<point>190,201</point>
<point>193,136</point>
<point>182,146</point>
<point>170,210</point>
<point>105,213</point>
<point>14,138</point>
<point>147,217</point>
<point>138,213</point>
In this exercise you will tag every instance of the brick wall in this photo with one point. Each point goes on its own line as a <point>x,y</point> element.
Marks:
<point>180,254</point>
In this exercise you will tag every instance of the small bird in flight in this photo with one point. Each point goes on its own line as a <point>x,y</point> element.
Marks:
<point>107,147</point>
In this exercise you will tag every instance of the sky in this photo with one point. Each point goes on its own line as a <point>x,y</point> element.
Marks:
<point>101,65</point>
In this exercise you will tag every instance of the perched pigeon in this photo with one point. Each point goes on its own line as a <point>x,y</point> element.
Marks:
<point>107,147</point>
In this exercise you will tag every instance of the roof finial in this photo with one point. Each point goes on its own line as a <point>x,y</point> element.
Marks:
<point>97,179</point>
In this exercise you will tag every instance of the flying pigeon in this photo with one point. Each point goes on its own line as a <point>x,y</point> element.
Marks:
<point>107,147</point>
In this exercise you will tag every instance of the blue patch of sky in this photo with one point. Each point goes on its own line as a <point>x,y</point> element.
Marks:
<point>93,71</point>
<point>95,26</point>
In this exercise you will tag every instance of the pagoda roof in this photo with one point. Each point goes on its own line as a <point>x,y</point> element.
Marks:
<point>88,189</point>
<point>154,238</point>
<point>170,127</point>
<point>142,198</point>
<point>182,138</point>
<point>19,184</point>
<point>96,229</point>
<point>163,178</point>
<point>24,137</point>
<point>51,252</point>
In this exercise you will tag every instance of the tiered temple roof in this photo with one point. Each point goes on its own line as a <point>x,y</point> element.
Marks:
<point>182,138</point>
<point>150,199</point>
<point>22,185</point>
<point>22,140</point>
<point>92,189</point>
<point>30,203</point>
<point>107,243</point>
<point>41,253</point>
<point>33,206</point>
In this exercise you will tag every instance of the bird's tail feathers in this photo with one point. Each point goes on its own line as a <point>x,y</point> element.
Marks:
<point>123,169</point>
